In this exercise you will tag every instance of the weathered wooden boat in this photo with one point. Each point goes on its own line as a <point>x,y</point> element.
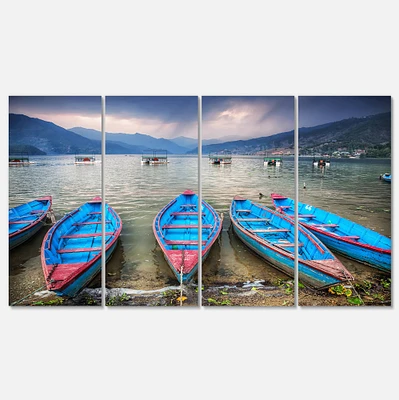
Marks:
<point>71,250</point>
<point>26,220</point>
<point>339,234</point>
<point>271,235</point>
<point>386,177</point>
<point>176,231</point>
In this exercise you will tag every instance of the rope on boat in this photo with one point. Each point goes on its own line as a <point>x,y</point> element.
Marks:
<point>23,298</point>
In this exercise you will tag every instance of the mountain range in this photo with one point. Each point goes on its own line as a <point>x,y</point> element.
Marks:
<point>42,137</point>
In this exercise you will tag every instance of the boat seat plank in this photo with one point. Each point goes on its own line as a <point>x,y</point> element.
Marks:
<point>326,225</point>
<point>186,226</point>
<point>306,216</point>
<point>284,206</point>
<point>185,213</point>
<point>288,244</point>
<point>253,219</point>
<point>90,223</point>
<point>94,212</point>
<point>243,211</point>
<point>268,230</point>
<point>188,205</point>
<point>183,242</point>
<point>86,235</point>
<point>350,237</point>
<point>22,222</point>
<point>79,250</point>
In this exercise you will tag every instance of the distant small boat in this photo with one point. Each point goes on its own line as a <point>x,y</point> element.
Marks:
<point>321,162</point>
<point>19,159</point>
<point>156,157</point>
<point>26,220</point>
<point>272,161</point>
<point>386,177</point>
<point>271,235</point>
<point>71,249</point>
<point>176,231</point>
<point>220,159</point>
<point>85,159</point>
<point>339,234</point>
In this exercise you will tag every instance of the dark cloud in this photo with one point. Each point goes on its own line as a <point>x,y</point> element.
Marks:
<point>165,108</point>
<point>316,110</point>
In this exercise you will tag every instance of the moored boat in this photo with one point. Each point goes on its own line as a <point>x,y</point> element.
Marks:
<point>71,249</point>
<point>339,234</point>
<point>272,161</point>
<point>176,231</point>
<point>220,159</point>
<point>85,160</point>
<point>386,177</point>
<point>26,219</point>
<point>272,236</point>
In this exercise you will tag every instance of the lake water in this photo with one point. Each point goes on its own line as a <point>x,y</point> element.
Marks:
<point>352,189</point>
<point>348,187</point>
<point>230,262</point>
<point>70,186</point>
<point>137,193</point>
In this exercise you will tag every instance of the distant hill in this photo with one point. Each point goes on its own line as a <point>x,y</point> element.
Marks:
<point>47,137</point>
<point>280,140</point>
<point>136,143</point>
<point>24,148</point>
<point>350,134</point>
<point>366,133</point>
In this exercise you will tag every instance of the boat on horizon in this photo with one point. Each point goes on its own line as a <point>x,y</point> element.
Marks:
<point>272,236</point>
<point>176,230</point>
<point>346,237</point>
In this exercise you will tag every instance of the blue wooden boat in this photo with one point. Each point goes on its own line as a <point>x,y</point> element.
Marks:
<point>339,234</point>
<point>271,235</point>
<point>26,220</point>
<point>386,177</point>
<point>176,231</point>
<point>71,250</point>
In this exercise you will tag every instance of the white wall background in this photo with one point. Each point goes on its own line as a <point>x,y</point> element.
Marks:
<point>196,48</point>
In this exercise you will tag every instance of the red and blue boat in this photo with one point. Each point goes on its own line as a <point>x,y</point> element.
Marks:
<point>272,236</point>
<point>71,249</point>
<point>25,220</point>
<point>353,240</point>
<point>176,230</point>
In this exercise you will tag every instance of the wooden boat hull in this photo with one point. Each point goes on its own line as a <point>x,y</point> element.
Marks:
<point>175,228</point>
<point>272,234</point>
<point>27,219</point>
<point>339,234</point>
<point>72,248</point>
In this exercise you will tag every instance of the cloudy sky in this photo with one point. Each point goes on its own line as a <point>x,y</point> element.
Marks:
<point>65,111</point>
<point>159,116</point>
<point>316,110</point>
<point>246,116</point>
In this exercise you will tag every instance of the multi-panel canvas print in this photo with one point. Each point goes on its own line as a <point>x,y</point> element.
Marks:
<point>231,233</point>
<point>54,200</point>
<point>151,186</point>
<point>344,202</point>
<point>247,158</point>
